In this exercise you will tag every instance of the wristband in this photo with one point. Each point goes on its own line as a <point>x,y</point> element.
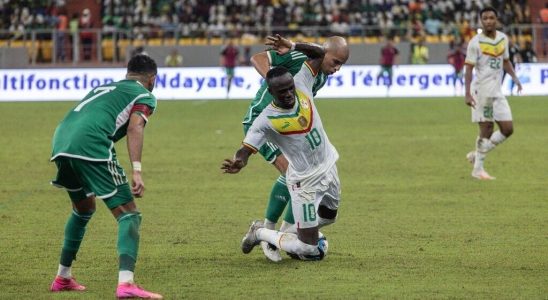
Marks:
<point>136,166</point>
<point>292,46</point>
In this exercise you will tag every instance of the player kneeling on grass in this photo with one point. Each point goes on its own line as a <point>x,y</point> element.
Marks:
<point>292,122</point>
<point>83,151</point>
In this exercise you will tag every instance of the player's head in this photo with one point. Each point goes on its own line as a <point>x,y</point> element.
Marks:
<point>336,54</point>
<point>488,17</point>
<point>142,68</point>
<point>281,86</point>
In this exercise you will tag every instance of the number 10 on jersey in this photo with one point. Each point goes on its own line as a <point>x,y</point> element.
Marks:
<point>314,138</point>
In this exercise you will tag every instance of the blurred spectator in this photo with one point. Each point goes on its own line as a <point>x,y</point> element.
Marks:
<point>456,59</point>
<point>432,25</point>
<point>246,58</point>
<point>389,58</point>
<point>229,60</point>
<point>61,35</point>
<point>419,52</point>
<point>528,55</point>
<point>138,50</point>
<point>174,59</point>
<point>86,36</point>
<point>544,20</point>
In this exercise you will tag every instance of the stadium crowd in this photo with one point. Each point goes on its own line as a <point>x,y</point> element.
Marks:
<point>193,18</point>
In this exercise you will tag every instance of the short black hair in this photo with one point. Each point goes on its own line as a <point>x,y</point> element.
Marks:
<point>142,64</point>
<point>489,8</point>
<point>276,72</point>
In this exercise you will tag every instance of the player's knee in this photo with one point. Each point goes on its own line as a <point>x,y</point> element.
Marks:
<point>507,131</point>
<point>327,213</point>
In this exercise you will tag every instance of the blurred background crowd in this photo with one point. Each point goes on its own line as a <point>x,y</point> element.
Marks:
<point>363,20</point>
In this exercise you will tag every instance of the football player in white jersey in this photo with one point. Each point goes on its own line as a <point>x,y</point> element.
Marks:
<point>488,54</point>
<point>293,123</point>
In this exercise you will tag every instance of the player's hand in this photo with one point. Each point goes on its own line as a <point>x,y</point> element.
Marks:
<point>232,166</point>
<point>469,100</point>
<point>519,86</point>
<point>279,44</point>
<point>137,184</point>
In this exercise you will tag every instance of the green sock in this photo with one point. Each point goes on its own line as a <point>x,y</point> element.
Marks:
<point>288,217</point>
<point>279,197</point>
<point>128,240</point>
<point>74,234</point>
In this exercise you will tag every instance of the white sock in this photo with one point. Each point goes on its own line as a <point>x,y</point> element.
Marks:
<point>64,271</point>
<point>287,242</point>
<point>288,227</point>
<point>268,224</point>
<point>497,137</point>
<point>125,276</point>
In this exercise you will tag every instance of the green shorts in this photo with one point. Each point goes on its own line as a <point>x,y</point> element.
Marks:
<point>104,179</point>
<point>229,71</point>
<point>269,150</point>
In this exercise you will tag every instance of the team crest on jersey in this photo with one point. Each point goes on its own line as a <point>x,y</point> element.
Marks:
<point>298,122</point>
<point>303,121</point>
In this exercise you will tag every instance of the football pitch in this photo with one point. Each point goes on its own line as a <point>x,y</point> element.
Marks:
<point>413,223</point>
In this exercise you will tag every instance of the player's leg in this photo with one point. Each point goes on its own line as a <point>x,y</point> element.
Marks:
<point>279,197</point>
<point>83,207</point>
<point>229,76</point>
<point>108,181</point>
<point>305,244</point>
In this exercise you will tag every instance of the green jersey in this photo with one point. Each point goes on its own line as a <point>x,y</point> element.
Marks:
<point>293,62</point>
<point>90,130</point>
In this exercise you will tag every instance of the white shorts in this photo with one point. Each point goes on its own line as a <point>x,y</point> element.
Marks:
<point>489,109</point>
<point>309,194</point>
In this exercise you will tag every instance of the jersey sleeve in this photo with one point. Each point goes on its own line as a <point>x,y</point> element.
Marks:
<point>145,106</point>
<point>472,53</point>
<point>256,135</point>
<point>289,60</point>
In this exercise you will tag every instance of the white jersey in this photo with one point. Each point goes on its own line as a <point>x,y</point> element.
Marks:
<point>487,55</point>
<point>297,131</point>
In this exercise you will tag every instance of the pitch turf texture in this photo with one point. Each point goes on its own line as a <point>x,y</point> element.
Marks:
<point>412,222</point>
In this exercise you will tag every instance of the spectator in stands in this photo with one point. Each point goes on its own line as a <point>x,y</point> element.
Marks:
<point>174,59</point>
<point>138,50</point>
<point>432,25</point>
<point>544,20</point>
<point>528,55</point>
<point>86,36</point>
<point>419,52</point>
<point>61,35</point>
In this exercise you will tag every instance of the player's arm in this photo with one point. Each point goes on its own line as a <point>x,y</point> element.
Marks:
<point>254,139</point>
<point>135,137</point>
<point>468,99</point>
<point>507,66</point>
<point>282,45</point>
<point>469,63</point>
<point>261,63</point>
<point>233,166</point>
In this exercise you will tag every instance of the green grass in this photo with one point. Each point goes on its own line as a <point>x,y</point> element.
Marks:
<point>412,222</point>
